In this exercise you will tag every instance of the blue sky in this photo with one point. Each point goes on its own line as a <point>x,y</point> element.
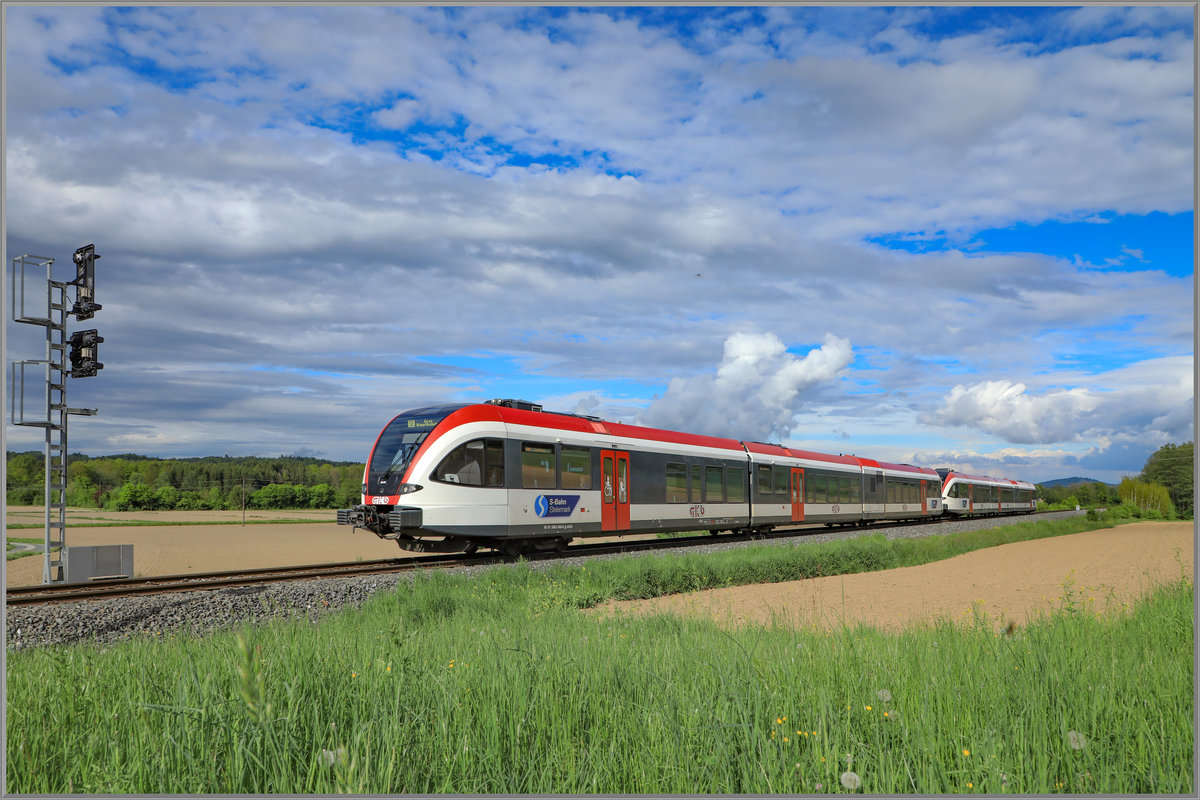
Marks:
<point>948,236</point>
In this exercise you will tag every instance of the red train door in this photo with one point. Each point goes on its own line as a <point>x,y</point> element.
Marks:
<point>797,495</point>
<point>614,479</point>
<point>971,498</point>
<point>924,499</point>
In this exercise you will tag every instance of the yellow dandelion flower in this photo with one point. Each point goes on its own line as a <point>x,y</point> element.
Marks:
<point>868,708</point>
<point>785,739</point>
<point>966,752</point>
<point>778,721</point>
<point>970,785</point>
<point>886,714</point>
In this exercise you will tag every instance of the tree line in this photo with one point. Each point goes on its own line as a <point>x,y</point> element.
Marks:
<point>1163,489</point>
<point>130,482</point>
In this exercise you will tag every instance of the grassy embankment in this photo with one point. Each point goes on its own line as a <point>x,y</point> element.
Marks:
<point>499,684</point>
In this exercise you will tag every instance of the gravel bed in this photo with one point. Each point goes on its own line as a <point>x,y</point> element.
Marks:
<point>156,616</point>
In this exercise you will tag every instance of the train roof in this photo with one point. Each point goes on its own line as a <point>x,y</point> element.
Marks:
<point>988,479</point>
<point>582,424</point>
<point>763,448</point>
<point>530,414</point>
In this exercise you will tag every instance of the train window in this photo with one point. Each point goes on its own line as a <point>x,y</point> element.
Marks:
<point>464,465</point>
<point>606,473</point>
<point>714,490</point>
<point>735,485</point>
<point>623,480</point>
<point>891,492</point>
<point>809,489</point>
<point>782,480</point>
<point>537,466</point>
<point>493,464</point>
<point>933,489</point>
<point>764,479</point>
<point>576,466</point>
<point>817,482</point>
<point>697,484</point>
<point>677,483</point>
<point>856,489</point>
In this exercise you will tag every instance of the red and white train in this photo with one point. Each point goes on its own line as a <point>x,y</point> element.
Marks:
<point>506,475</point>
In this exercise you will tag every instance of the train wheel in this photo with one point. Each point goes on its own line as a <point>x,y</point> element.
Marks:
<point>512,549</point>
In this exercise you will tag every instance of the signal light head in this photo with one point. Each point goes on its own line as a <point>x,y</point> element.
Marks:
<point>83,354</point>
<point>85,279</point>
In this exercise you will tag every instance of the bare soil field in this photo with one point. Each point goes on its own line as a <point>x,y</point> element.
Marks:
<point>171,548</point>
<point>1102,570</point>
<point>36,515</point>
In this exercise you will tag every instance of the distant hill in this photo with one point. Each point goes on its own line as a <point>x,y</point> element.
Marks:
<point>1071,482</point>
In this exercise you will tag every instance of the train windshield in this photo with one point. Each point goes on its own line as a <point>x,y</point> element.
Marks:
<point>398,444</point>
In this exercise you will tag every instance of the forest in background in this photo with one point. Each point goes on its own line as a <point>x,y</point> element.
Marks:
<point>130,482</point>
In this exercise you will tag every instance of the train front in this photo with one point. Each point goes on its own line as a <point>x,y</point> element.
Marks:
<point>383,492</point>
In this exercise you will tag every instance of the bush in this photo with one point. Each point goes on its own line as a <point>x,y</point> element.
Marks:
<point>274,495</point>
<point>192,501</point>
<point>133,497</point>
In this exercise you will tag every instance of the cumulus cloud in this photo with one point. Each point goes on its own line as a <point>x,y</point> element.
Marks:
<point>1004,409</point>
<point>1152,398</point>
<point>755,391</point>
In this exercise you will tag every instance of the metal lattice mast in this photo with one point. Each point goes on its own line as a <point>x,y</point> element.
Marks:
<point>56,430</point>
<point>84,363</point>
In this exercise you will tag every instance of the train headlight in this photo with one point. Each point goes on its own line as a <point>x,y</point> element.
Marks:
<point>409,488</point>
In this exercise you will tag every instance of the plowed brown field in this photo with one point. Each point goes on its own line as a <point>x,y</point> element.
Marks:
<point>1101,570</point>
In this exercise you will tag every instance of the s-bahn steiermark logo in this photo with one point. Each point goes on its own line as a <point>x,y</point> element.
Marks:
<point>555,505</point>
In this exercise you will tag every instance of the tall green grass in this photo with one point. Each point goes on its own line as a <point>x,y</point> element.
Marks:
<point>498,684</point>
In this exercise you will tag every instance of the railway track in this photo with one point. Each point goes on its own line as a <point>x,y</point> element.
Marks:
<point>190,582</point>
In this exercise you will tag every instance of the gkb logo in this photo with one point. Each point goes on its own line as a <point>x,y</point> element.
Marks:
<point>555,505</point>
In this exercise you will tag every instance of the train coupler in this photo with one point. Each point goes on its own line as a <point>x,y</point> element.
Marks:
<point>384,522</point>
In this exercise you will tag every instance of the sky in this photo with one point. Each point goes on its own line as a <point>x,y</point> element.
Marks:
<point>953,236</point>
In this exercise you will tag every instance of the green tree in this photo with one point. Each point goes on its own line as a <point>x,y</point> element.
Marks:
<point>26,479</point>
<point>274,496</point>
<point>1172,466</point>
<point>81,492</point>
<point>1152,499</point>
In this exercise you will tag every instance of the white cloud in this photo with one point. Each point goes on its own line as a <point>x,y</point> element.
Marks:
<point>1153,398</point>
<point>755,392</point>
<point>1002,408</point>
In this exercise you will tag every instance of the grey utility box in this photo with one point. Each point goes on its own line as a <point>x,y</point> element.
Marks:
<point>97,562</point>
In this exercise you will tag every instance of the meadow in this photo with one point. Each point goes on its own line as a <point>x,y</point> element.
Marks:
<point>500,683</point>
